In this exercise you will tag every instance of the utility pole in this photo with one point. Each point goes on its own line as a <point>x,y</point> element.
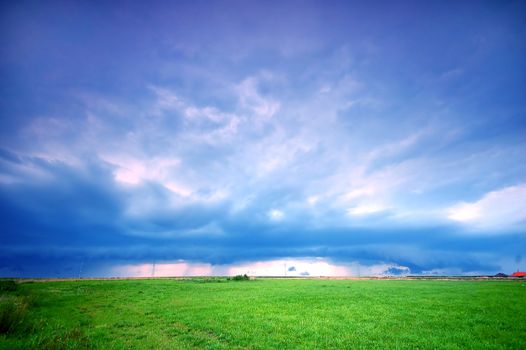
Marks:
<point>153,269</point>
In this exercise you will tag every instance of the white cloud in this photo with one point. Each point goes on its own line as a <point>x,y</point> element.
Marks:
<point>505,208</point>
<point>226,124</point>
<point>359,192</point>
<point>249,96</point>
<point>178,189</point>
<point>366,209</point>
<point>133,170</point>
<point>312,200</point>
<point>465,212</point>
<point>276,215</point>
<point>166,100</point>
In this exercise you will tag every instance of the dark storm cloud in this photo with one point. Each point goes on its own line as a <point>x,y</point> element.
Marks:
<point>74,214</point>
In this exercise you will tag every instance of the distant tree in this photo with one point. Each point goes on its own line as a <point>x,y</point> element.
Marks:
<point>239,278</point>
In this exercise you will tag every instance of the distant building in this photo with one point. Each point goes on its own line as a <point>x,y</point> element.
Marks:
<point>519,274</point>
<point>500,274</point>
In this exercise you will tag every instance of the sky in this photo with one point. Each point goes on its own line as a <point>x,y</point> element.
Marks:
<point>298,138</point>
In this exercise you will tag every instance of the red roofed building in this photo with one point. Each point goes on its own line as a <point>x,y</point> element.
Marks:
<point>519,274</point>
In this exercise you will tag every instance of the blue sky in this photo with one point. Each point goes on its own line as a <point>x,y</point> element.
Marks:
<point>299,138</point>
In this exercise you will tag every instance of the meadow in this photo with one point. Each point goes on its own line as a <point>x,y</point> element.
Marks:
<point>213,313</point>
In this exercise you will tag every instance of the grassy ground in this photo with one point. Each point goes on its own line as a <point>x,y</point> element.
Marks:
<point>265,314</point>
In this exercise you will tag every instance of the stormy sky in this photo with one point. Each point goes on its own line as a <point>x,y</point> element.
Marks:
<point>263,137</point>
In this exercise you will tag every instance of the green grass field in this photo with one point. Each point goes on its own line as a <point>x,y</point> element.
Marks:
<point>265,314</point>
